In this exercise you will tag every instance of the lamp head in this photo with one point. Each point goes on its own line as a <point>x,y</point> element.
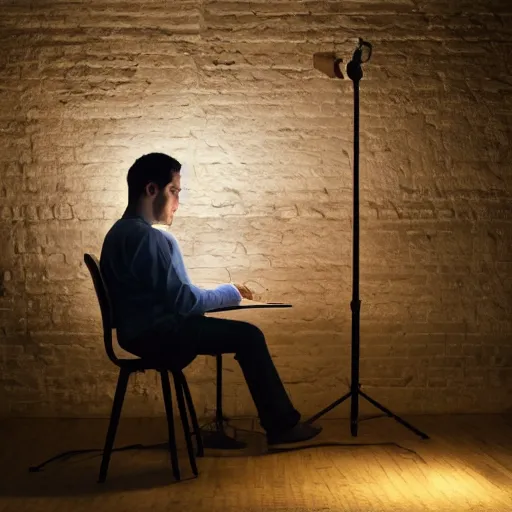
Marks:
<point>328,63</point>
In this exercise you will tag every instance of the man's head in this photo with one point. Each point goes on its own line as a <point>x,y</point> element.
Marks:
<point>154,187</point>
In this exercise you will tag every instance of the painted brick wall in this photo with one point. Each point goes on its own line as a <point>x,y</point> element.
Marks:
<point>228,88</point>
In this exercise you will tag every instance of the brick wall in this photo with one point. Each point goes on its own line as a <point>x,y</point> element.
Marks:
<point>229,89</point>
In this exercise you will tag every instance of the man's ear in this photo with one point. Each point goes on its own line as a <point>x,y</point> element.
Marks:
<point>151,189</point>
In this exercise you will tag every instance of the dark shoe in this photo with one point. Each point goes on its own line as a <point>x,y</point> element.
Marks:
<point>301,432</point>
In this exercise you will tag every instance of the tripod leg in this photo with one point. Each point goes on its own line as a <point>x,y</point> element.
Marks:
<point>392,415</point>
<point>327,409</point>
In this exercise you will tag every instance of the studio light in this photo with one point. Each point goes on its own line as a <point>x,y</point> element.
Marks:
<point>329,64</point>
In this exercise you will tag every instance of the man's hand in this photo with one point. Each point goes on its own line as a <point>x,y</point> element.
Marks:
<point>244,291</point>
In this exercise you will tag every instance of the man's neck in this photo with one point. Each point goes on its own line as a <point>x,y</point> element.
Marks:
<point>137,210</point>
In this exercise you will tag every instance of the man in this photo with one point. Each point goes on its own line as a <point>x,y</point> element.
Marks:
<point>159,313</point>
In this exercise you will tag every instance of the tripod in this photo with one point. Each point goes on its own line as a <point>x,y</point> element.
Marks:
<point>355,73</point>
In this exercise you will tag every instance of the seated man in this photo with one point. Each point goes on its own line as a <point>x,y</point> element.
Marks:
<point>159,313</point>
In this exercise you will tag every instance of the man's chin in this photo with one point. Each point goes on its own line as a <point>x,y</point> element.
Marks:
<point>164,222</point>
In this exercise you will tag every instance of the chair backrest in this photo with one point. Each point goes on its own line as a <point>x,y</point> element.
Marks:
<point>105,304</point>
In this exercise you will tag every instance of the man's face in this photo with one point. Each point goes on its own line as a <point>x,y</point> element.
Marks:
<point>167,200</point>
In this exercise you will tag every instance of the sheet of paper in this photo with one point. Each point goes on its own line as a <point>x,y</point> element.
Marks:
<point>247,302</point>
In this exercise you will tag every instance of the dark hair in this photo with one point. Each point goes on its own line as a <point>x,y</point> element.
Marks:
<point>153,167</point>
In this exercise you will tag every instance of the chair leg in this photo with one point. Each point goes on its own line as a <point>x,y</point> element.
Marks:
<point>178,384</point>
<point>166,390</point>
<point>122,383</point>
<point>195,425</point>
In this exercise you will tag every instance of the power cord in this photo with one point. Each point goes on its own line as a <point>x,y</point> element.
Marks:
<point>271,450</point>
<point>67,455</point>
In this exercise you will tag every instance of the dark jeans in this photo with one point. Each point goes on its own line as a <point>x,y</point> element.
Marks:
<point>201,335</point>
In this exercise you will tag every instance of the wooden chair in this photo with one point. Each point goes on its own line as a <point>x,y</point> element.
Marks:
<point>126,368</point>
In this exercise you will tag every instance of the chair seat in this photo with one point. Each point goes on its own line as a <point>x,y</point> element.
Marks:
<point>141,364</point>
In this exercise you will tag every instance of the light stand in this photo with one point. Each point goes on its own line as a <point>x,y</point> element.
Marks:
<point>329,64</point>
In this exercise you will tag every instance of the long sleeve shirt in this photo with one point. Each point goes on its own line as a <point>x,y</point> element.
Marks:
<point>148,283</point>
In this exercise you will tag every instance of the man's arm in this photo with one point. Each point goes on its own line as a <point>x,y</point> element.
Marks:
<point>159,263</point>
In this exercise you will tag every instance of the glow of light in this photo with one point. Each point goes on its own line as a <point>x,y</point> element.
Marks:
<point>446,484</point>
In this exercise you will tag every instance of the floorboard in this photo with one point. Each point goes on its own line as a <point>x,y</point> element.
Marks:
<point>465,466</point>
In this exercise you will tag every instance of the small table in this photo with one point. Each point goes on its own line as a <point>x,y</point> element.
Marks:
<point>218,437</point>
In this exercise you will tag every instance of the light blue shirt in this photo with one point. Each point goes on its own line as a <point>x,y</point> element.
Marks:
<point>148,283</point>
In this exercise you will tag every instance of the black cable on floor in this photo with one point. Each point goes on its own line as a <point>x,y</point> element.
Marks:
<point>71,453</point>
<point>67,455</point>
<point>315,445</point>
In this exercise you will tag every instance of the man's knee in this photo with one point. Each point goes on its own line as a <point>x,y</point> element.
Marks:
<point>254,332</point>
<point>252,341</point>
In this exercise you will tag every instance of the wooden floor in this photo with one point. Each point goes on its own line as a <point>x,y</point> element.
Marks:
<point>466,465</point>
